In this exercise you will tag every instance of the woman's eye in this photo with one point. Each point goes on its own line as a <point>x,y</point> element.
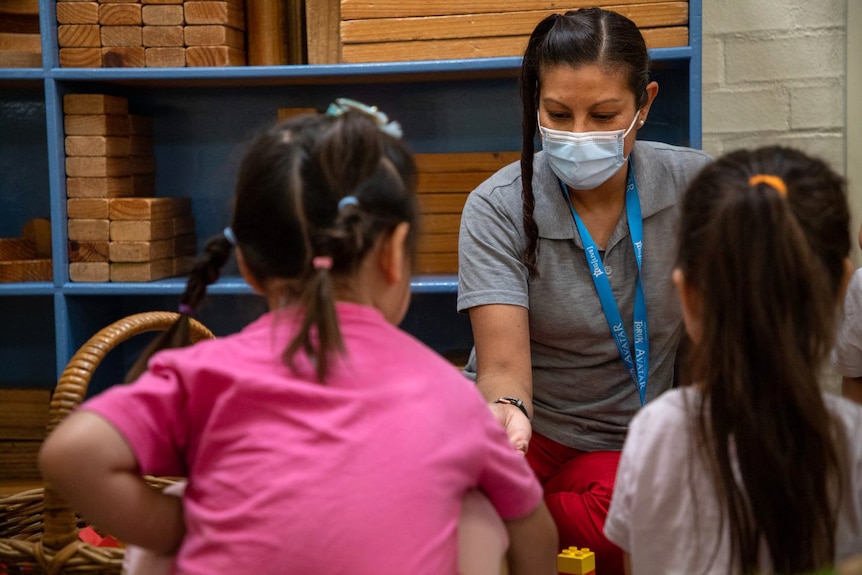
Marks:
<point>558,115</point>
<point>603,117</point>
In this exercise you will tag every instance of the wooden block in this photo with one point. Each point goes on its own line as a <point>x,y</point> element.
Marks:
<point>296,33</point>
<point>429,182</point>
<point>117,1</point>
<point>16,59</point>
<point>437,243</point>
<point>38,231</point>
<point>324,18</point>
<point>446,203</point>
<point>97,167</point>
<point>360,9</point>
<point>164,36</point>
<point>184,246</point>
<point>141,251</point>
<point>88,208</point>
<point>214,35</point>
<point>17,249</point>
<point>90,271</point>
<point>149,208</point>
<point>162,2</point>
<point>285,113</point>
<point>163,15</point>
<point>226,13</point>
<point>24,413</point>
<point>77,12</point>
<point>166,57</point>
<point>20,7</point>
<point>99,187</point>
<point>437,263</point>
<point>120,14</point>
<point>141,145</point>
<point>666,37</point>
<point>465,162</point>
<point>111,146</point>
<point>18,459</point>
<point>96,251</point>
<point>143,185</point>
<point>123,57</point>
<point>79,36</point>
<point>440,223</point>
<point>81,57</point>
<point>441,49</point>
<point>267,41</point>
<point>121,36</point>
<point>140,126</point>
<point>89,230</point>
<point>183,225</point>
<point>143,230</point>
<point>96,125</point>
<point>143,165</point>
<point>36,270</point>
<point>182,266</point>
<point>94,104</point>
<point>214,56</point>
<point>21,42</point>
<point>141,272</point>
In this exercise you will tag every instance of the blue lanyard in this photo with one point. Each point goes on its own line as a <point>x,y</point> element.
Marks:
<point>639,367</point>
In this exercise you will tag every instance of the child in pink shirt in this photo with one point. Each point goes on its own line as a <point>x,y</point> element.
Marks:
<point>320,438</point>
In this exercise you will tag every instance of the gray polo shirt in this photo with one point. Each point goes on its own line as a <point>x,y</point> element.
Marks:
<point>583,396</point>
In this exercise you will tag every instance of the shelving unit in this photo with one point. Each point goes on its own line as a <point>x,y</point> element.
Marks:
<point>202,117</point>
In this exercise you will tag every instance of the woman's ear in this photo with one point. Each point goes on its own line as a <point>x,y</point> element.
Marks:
<point>393,254</point>
<point>692,306</point>
<point>652,92</point>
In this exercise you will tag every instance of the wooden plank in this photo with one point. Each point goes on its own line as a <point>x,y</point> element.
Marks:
<point>143,230</point>
<point>123,57</point>
<point>437,243</point>
<point>185,245</point>
<point>112,146</point>
<point>182,266</point>
<point>143,185</point>
<point>142,272</point>
<point>19,24</point>
<point>77,12</point>
<point>214,56</point>
<point>164,36</point>
<point>183,225</point>
<point>323,17</point>
<point>88,208</point>
<point>143,165</point>
<point>121,36</point>
<point>16,59</point>
<point>140,126</point>
<point>162,2</point>
<point>214,35</point>
<point>17,249</point>
<point>36,270</point>
<point>13,395</point>
<point>20,7</point>
<point>149,208</point>
<point>465,162</point>
<point>95,104</point>
<point>89,271</point>
<point>490,25</point>
<point>163,15</point>
<point>95,251</point>
<point>448,203</point>
<point>211,12</point>
<point>21,42</point>
<point>79,36</point>
<point>296,33</point>
<point>141,145</point>
<point>429,182</point>
<point>359,9</point>
<point>96,125</point>
<point>99,187</point>
<point>440,223</point>
<point>120,14</point>
<point>38,231</point>
<point>81,57</point>
<point>97,167</point>
<point>267,41</point>
<point>285,113</point>
<point>166,57</point>
<point>437,263</point>
<point>141,251</point>
<point>89,230</point>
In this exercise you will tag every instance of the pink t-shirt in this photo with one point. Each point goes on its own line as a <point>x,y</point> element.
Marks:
<point>362,474</point>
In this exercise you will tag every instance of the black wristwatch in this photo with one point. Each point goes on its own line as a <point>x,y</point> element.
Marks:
<point>516,402</point>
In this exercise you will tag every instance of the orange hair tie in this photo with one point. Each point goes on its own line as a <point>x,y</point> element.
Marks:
<point>773,182</point>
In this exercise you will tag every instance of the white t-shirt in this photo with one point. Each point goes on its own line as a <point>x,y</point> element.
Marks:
<point>663,512</point>
<point>847,354</point>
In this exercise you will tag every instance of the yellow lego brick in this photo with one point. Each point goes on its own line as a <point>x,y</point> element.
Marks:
<point>575,561</point>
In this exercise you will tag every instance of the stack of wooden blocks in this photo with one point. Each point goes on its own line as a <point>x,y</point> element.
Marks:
<point>27,258</point>
<point>403,30</point>
<point>151,33</point>
<point>23,419</point>
<point>20,44</point>
<point>117,230</point>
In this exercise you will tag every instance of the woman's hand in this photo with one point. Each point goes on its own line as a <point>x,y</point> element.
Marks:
<point>517,426</point>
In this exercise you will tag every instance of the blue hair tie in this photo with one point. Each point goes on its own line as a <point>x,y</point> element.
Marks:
<point>342,105</point>
<point>228,234</point>
<point>347,201</point>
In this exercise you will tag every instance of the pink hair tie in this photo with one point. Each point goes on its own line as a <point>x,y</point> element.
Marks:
<point>322,262</point>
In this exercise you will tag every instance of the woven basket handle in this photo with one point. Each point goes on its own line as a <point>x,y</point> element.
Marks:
<point>59,521</point>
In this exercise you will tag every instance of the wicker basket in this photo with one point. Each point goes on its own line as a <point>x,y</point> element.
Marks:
<point>38,531</point>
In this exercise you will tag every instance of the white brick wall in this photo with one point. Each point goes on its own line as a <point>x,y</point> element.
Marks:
<point>774,73</point>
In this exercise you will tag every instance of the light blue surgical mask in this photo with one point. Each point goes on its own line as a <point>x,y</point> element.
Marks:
<point>585,160</point>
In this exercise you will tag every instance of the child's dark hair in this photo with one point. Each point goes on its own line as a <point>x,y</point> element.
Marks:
<point>763,239</point>
<point>313,195</point>
<point>576,38</point>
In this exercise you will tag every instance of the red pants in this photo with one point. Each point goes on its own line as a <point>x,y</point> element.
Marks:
<point>578,487</point>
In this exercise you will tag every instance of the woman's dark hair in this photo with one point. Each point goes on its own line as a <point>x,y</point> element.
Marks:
<point>287,212</point>
<point>767,267</point>
<point>576,38</point>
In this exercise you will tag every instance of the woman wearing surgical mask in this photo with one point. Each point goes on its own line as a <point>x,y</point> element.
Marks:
<point>565,266</point>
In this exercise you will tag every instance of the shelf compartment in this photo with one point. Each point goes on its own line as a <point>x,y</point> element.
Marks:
<point>27,340</point>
